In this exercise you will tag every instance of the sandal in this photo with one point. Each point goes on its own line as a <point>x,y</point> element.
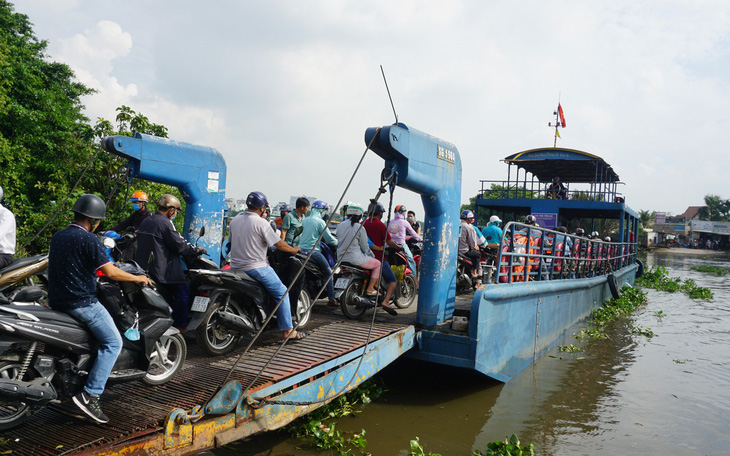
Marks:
<point>299,336</point>
<point>390,310</point>
<point>333,303</point>
<point>371,293</point>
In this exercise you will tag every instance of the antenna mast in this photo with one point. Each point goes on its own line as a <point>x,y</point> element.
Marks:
<point>559,122</point>
<point>391,98</point>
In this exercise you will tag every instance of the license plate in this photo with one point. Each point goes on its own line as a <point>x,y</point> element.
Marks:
<point>200,304</point>
<point>342,283</point>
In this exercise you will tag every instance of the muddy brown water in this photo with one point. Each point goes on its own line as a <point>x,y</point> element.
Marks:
<point>668,395</point>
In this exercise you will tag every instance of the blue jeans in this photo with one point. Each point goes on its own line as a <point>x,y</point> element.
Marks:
<point>387,273</point>
<point>409,257</point>
<point>102,326</point>
<point>268,278</point>
<point>323,266</point>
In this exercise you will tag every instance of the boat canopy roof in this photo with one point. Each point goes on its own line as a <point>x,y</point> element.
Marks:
<point>569,164</point>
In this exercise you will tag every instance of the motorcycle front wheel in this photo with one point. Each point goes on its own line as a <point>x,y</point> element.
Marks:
<point>304,308</point>
<point>406,292</point>
<point>13,414</point>
<point>166,359</point>
<point>215,338</point>
<point>350,307</point>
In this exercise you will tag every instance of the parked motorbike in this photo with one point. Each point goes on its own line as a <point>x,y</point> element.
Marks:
<point>350,285</point>
<point>123,247</point>
<point>17,281</point>
<point>45,355</point>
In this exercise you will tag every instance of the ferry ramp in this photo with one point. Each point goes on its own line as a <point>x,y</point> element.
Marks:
<point>159,421</point>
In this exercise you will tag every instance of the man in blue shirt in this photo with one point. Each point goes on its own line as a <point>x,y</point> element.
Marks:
<point>74,257</point>
<point>312,227</point>
<point>492,232</point>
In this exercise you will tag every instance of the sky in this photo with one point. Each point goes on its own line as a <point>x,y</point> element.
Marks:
<point>284,90</point>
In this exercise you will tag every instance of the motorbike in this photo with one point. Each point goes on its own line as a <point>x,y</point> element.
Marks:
<point>123,247</point>
<point>17,282</point>
<point>45,355</point>
<point>464,267</point>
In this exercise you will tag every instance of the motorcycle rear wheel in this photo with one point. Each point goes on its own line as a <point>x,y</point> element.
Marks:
<point>214,337</point>
<point>406,292</point>
<point>352,309</point>
<point>13,414</point>
<point>166,359</point>
<point>304,308</point>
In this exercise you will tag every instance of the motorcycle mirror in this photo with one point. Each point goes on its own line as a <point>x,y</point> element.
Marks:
<point>202,231</point>
<point>109,243</point>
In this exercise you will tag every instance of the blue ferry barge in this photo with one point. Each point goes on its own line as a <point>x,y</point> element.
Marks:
<point>538,290</point>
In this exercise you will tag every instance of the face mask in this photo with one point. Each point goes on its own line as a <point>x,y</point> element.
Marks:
<point>173,217</point>
<point>135,207</point>
<point>411,219</point>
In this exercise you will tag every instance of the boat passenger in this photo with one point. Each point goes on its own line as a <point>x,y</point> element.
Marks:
<point>398,230</point>
<point>250,239</point>
<point>283,211</point>
<point>75,255</point>
<point>139,213</point>
<point>353,246</point>
<point>159,247</point>
<point>313,227</point>
<point>293,221</point>
<point>378,235</point>
<point>7,234</point>
<point>492,232</point>
<point>557,190</point>
<point>468,245</point>
<point>411,218</point>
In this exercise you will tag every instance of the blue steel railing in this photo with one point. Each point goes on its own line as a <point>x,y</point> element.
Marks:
<point>529,253</point>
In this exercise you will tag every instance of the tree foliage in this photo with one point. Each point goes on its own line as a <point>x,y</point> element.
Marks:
<point>715,208</point>
<point>49,153</point>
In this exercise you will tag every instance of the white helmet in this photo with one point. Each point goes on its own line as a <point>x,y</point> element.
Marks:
<point>494,218</point>
<point>1,193</point>
<point>354,209</point>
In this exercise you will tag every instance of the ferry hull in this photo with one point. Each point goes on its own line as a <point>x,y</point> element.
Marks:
<point>511,324</point>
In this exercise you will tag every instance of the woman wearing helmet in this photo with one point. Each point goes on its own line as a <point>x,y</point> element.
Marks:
<point>398,230</point>
<point>139,213</point>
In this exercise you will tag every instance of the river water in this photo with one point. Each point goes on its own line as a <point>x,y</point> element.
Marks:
<point>665,395</point>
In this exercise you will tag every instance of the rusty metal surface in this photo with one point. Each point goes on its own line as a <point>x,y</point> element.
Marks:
<point>136,410</point>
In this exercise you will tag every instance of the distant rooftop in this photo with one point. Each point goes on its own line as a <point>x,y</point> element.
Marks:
<point>569,164</point>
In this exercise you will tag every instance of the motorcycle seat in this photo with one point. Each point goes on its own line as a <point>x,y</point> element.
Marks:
<point>353,266</point>
<point>44,313</point>
<point>22,262</point>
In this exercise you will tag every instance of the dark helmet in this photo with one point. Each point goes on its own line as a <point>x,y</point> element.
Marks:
<point>256,200</point>
<point>167,201</point>
<point>467,214</point>
<point>90,206</point>
<point>285,208</point>
<point>530,220</point>
<point>580,232</point>
<point>376,209</point>
<point>401,208</point>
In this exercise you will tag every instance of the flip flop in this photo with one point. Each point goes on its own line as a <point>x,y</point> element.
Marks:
<point>390,310</point>
<point>371,293</point>
<point>300,335</point>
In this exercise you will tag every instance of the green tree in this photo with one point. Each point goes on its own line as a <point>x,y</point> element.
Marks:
<point>646,217</point>
<point>49,153</point>
<point>496,192</point>
<point>715,208</point>
<point>44,137</point>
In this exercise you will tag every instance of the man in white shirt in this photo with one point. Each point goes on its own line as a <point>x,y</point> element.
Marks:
<point>251,236</point>
<point>7,234</point>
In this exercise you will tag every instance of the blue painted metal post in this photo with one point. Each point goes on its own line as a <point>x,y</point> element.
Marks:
<point>198,171</point>
<point>432,168</point>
